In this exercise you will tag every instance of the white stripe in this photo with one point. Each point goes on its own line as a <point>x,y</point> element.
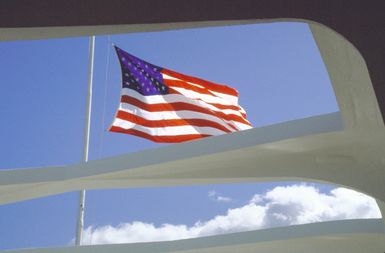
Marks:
<point>205,97</point>
<point>232,99</point>
<point>174,98</point>
<point>167,131</point>
<point>166,115</point>
<point>241,126</point>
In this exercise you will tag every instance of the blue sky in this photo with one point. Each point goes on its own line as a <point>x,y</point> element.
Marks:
<point>275,67</point>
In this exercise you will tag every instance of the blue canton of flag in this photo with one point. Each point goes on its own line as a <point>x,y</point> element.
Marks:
<point>140,75</point>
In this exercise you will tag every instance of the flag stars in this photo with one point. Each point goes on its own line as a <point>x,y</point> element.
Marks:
<point>141,76</point>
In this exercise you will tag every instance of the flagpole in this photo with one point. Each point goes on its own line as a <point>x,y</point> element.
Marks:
<point>80,223</point>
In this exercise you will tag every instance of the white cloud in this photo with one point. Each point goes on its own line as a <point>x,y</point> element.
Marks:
<point>281,206</point>
<point>213,195</point>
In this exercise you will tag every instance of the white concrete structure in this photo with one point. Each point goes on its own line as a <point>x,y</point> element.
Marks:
<point>345,148</point>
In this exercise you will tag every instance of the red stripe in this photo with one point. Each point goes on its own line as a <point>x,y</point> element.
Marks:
<point>169,122</point>
<point>179,106</point>
<point>232,126</point>
<point>187,86</point>
<point>219,106</point>
<point>166,138</point>
<point>209,85</point>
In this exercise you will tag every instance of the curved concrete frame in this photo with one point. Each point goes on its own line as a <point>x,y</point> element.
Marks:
<point>311,149</point>
<point>350,236</point>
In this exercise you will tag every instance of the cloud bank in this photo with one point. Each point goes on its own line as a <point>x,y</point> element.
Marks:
<point>280,206</point>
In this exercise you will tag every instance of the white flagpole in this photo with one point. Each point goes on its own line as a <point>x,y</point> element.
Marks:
<point>80,224</point>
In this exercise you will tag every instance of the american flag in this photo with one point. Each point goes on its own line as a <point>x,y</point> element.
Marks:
<point>165,106</point>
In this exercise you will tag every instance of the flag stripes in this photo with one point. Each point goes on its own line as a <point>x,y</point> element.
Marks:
<point>207,84</point>
<point>226,115</point>
<point>170,115</point>
<point>156,138</point>
<point>170,122</point>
